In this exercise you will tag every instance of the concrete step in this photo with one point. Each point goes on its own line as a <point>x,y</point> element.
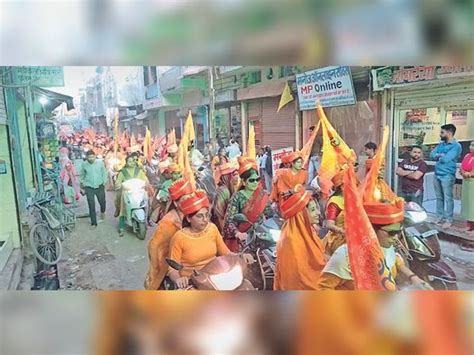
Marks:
<point>10,275</point>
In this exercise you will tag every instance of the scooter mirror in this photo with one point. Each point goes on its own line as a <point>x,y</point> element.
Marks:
<point>174,264</point>
<point>240,218</point>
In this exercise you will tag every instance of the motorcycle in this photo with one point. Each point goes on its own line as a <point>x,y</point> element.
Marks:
<point>223,273</point>
<point>136,206</point>
<point>420,247</point>
<point>261,242</point>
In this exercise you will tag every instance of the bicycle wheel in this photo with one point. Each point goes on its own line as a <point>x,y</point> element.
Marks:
<point>46,244</point>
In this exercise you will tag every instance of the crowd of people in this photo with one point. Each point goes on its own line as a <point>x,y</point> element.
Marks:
<point>193,227</point>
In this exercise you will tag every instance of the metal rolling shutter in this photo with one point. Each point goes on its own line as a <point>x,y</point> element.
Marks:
<point>279,128</point>
<point>459,95</point>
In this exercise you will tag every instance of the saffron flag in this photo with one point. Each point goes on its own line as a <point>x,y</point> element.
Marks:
<point>251,150</point>
<point>374,188</point>
<point>183,155</point>
<point>286,97</point>
<point>189,128</point>
<point>171,138</point>
<point>147,145</point>
<point>366,259</point>
<point>133,140</point>
<point>308,146</point>
<point>336,153</point>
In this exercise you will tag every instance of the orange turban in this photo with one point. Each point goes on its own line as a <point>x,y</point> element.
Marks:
<point>385,213</point>
<point>246,163</point>
<point>338,179</point>
<point>294,156</point>
<point>179,188</point>
<point>295,203</point>
<point>228,168</point>
<point>285,158</point>
<point>194,203</point>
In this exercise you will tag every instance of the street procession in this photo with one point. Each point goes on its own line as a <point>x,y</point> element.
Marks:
<point>309,181</point>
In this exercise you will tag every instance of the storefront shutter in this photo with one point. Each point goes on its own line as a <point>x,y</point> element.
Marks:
<point>278,128</point>
<point>172,121</point>
<point>450,96</point>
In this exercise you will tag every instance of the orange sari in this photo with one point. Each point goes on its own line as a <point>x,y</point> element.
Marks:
<point>159,249</point>
<point>285,180</point>
<point>300,255</point>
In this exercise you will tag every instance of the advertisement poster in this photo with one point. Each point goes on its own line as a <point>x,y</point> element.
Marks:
<point>419,126</point>
<point>464,122</point>
<point>332,86</point>
<point>277,154</point>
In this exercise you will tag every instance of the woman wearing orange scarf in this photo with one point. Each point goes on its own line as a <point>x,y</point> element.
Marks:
<point>300,251</point>
<point>228,184</point>
<point>287,179</point>
<point>159,245</point>
<point>251,200</point>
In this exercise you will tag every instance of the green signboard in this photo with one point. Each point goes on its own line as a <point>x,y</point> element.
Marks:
<point>40,76</point>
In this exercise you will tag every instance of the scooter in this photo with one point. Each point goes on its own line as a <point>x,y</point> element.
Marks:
<point>224,273</point>
<point>205,181</point>
<point>261,242</point>
<point>420,247</point>
<point>136,206</point>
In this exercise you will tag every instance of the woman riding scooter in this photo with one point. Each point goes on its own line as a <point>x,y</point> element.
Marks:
<point>199,242</point>
<point>130,171</point>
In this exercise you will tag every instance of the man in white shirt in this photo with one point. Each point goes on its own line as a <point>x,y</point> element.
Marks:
<point>233,150</point>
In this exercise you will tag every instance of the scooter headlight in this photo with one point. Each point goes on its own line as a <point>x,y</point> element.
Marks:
<point>417,216</point>
<point>228,281</point>
<point>134,185</point>
<point>275,234</point>
<point>421,247</point>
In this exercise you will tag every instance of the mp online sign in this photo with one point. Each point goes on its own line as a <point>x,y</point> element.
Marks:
<point>332,86</point>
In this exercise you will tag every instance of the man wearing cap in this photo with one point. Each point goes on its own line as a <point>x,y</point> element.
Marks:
<point>386,219</point>
<point>300,251</point>
<point>159,245</point>
<point>227,186</point>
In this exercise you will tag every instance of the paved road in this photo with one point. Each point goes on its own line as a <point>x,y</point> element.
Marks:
<point>100,259</point>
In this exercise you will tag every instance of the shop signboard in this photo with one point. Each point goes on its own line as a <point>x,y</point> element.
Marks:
<point>332,86</point>
<point>419,126</point>
<point>388,77</point>
<point>39,76</point>
<point>464,122</point>
<point>277,154</point>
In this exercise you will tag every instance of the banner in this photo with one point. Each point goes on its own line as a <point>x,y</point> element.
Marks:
<point>419,126</point>
<point>332,86</point>
<point>387,77</point>
<point>277,154</point>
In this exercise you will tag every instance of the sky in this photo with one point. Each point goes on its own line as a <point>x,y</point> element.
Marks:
<point>76,77</point>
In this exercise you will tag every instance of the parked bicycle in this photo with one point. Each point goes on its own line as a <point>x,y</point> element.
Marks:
<point>47,231</point>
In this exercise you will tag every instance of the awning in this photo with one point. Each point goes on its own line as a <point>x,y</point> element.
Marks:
<point>143,115</point>
<point>54,99</point>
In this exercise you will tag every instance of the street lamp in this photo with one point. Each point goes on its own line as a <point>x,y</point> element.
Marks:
<point>43,101</point>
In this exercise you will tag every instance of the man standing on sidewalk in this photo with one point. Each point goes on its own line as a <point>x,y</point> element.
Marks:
<point>93,177</point>
<point>412,170</point>
<point>446,154</point>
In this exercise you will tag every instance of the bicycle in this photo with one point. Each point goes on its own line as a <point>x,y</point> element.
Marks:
<point>47,232</point>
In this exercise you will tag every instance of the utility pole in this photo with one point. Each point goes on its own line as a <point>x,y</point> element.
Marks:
<point>211,102</point>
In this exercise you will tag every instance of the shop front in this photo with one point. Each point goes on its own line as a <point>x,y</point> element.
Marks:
<point>348,104</point>
<point>418,101</point>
